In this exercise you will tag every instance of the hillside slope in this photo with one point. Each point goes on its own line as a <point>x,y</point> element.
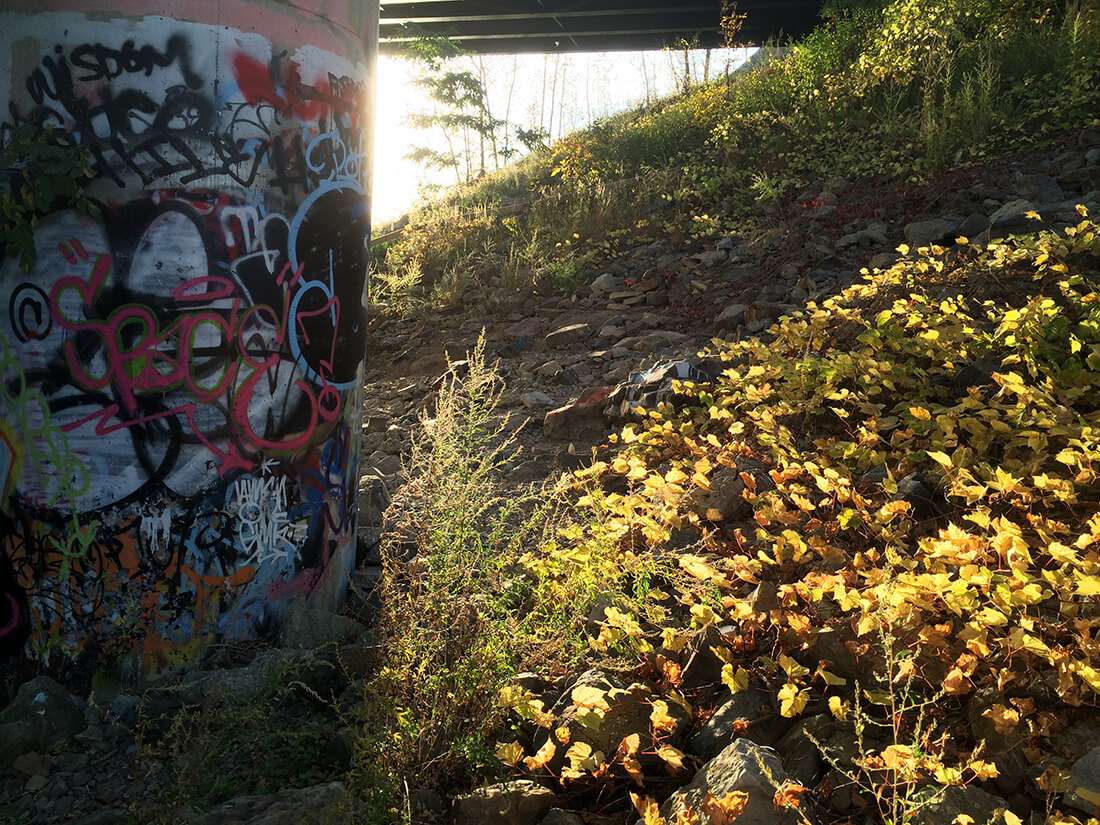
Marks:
<point>861,528</point>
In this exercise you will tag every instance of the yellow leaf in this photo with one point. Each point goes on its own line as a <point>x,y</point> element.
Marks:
<point>899,758</point>
<point>1087,673</point>
<point>920,413</point>
<point>539,760</point>
<point>647,809</point>
<point>1011,818</point>
<point>736,682</point>
<point>792,701</point>
<point>660,718</point>
<point>1054,780</point>
<point>984,770</point>
<point>1088,586</point>
<point>831,679</point>
<point>685,814</point>
<point>726,810</point>
<point>939,458</point>
<point>623,621</point>
<point>1004,719</point>
<point>673,641</point>
<point>509,753</point>
<point>793,669</point>
<point>703,615</point>
<point>963,819</point>
<point>1033,215</point>
<point>956,683</point>
<point>673,757</point>
<point>839,708</point>
<point>1020,639</point>
<point>670,670</point>
<point>675,476</point>
<point>512,696</point>
<point>634,770</point>
<point>587,696</point>
<point>582,758</point>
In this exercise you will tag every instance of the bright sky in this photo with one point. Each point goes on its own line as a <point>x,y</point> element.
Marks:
<point>582,88</point>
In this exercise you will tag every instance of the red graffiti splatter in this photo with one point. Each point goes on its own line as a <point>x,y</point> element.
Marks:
<point>288,95</point>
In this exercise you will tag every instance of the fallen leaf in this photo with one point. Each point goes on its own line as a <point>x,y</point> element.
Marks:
<point>1004,719</point>
<point>539,760</point>
<point>659,717</point>
<point>509,753</point>
<point>736,682</point>
<point>725,811</point>
<point>792,701</point>
<point>672,672</point>
<point>586,696</point>
<point>673,757</point>
<point>789,795</point>
<point>647,809</point>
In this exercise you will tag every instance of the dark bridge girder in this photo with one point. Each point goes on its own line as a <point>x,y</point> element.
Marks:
<point>518,26</point>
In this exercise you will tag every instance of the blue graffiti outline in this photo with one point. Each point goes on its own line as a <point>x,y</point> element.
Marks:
<point>340,179</point>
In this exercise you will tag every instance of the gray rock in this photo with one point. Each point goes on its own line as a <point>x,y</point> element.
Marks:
<point>376,424</point>
<point>384,463</point>
<point>882,260</point>
<point>944,804</point>
<point>769,311</point>
<point>750,704</point>
<point>1038,188</point>
<point>374,498</point>
<point>743,766</point>
<point>1077,739</point>
<point>1092,156</point>
<point>31,764</point>
<point>821,211</point>
<point>41,717</point>
<point>974,225</point>
<point>1082,180</point>
<point>559,817</point>
<point>628,712</point>
<point>605,283</point>
<point>922,501</point>
<point>520,802</point>
<point>814,743</point>
<point>526,328</point>
<point>536,398</point>
<point>937,230</point>
<point>571,334</point>
<point>105,816</point>
<point>712,257</point>
<point>241,684</point>
<point>724,500</point>
<point>1084,787</point>
<point>571,420</point>
<point>307,628</point>
<point>317,805</point>
<point>876,233</point>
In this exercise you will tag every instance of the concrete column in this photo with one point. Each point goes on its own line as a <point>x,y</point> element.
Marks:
<point>181,376</point>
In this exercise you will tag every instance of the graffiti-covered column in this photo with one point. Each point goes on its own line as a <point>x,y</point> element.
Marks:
<point>182,366</point>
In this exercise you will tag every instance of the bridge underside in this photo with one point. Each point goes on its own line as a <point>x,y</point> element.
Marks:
<point>523,26</point>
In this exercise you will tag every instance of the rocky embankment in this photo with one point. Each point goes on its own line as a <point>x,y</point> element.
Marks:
<point>573,365</point>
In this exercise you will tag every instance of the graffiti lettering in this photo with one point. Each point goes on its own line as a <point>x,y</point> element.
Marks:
<point>180,376</point>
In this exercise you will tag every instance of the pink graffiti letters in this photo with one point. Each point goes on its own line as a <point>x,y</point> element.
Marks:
<point>140,356</point>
